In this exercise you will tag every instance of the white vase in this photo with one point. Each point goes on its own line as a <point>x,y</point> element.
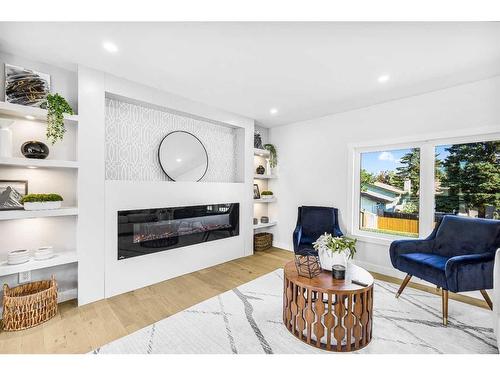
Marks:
<point>5,138</point>
<point>328,259</point>
<point>268,167</point>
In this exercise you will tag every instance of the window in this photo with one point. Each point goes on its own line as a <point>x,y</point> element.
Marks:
<point>403,191</point>
<point>389,192</point>
<point>467,180</point>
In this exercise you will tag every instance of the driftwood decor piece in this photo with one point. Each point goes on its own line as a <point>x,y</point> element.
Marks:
<point>29,305</point>
<point>335,315</point>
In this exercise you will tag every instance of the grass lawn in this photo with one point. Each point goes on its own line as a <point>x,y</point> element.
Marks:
<point>391,232</point>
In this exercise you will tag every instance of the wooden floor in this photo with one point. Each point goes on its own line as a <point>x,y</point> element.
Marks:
<point>82,329</point>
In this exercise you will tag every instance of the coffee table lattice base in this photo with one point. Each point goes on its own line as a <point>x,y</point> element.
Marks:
<point>333,320</point>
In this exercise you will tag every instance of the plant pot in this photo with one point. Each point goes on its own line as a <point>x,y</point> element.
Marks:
<point>328,259</point>
<point>267,196</point>
<point>35,206</point>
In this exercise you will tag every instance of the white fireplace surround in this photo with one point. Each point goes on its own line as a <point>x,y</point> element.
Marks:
<point>100,274</point>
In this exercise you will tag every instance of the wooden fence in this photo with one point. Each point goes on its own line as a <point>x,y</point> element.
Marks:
<point>399,225</point>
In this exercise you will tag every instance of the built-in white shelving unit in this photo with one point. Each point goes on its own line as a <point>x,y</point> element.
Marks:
<point>17,111</point>
<point>265,225</point>
<point>58,171</point>
<point>260,205</point>
<point>59,258</point>
<point>263,153</point>
<point>38,163</point>
<point>265,200</point>
<point>264,176</point>
<point>22,214</point>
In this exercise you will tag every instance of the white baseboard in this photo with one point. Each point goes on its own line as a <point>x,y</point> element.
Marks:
<point>282,246</point>
<point>388,271</point>
<point>67,295</point>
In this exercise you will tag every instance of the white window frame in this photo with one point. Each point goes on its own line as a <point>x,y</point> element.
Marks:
<point>427,144</point>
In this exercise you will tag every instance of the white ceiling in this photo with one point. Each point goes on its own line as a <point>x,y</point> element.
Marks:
<point>305,70</point>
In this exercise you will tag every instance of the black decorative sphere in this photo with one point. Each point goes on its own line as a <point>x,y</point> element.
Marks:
<point>35,150</point>
<point>260,169</point>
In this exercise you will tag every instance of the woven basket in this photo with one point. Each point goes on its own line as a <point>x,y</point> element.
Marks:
<point>262,241</point>
<point>29,305</point>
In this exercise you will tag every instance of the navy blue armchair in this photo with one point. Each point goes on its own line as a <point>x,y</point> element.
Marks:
<point>457,256</point>
<point>312,222</point>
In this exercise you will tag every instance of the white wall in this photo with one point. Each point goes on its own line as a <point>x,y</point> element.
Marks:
<point>313,155</point>
<point>100,273</point>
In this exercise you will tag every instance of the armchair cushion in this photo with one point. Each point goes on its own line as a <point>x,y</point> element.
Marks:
<point>430,267</point>
<point>470,272</point>
<point>401,247</point>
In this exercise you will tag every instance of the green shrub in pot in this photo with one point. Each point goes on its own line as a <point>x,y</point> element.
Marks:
<point>41,201</point>
<point>266,194</point>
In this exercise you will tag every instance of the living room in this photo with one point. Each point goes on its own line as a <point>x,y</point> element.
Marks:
<point>249,187</point>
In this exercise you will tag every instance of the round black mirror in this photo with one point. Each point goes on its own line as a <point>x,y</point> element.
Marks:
<point>183,157</point>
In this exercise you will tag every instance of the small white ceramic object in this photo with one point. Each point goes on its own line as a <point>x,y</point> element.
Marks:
<point>35,206</point>
<point>18,257</point>
<point>43,253</point>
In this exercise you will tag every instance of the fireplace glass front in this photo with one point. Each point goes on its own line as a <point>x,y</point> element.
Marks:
<point>149,231</point>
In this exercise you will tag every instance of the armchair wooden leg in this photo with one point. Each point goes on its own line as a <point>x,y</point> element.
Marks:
<point>403,285</point>
<point>444,297</point>
<point>487,298</point>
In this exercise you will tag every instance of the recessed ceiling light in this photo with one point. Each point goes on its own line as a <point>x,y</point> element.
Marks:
<point>110,47</point>
<point>383,78</point>
<point>178,160</point>
<point>32,167</point>
<point>29,117</point>
<point>273,111</point>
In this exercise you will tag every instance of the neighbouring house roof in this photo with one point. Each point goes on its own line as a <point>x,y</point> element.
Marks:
<point>377,196</point>
<point>388,187</point>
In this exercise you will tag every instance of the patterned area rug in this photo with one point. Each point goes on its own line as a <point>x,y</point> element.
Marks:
<point>247,319</point>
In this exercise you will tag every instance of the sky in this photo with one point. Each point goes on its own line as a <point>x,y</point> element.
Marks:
<point>375,162</point>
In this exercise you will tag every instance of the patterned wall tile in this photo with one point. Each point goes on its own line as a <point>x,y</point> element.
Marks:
<point>134,133</point>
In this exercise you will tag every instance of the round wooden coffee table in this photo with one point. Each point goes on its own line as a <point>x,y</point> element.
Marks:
<point>326,313</point>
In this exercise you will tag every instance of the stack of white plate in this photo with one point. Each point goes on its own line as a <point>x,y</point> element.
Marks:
<point>45,252</point>
<point>18,257</point>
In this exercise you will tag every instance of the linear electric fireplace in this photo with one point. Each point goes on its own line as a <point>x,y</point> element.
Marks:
<point>152,230</point>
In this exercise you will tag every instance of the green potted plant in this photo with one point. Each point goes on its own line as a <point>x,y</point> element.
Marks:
<point>334,250</point>
<point>267,194</point>
<point>32,202</point>
<point>57,106</point>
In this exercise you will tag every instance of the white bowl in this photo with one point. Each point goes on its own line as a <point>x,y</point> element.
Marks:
<point>45,252</point>
<point>18,256</point>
